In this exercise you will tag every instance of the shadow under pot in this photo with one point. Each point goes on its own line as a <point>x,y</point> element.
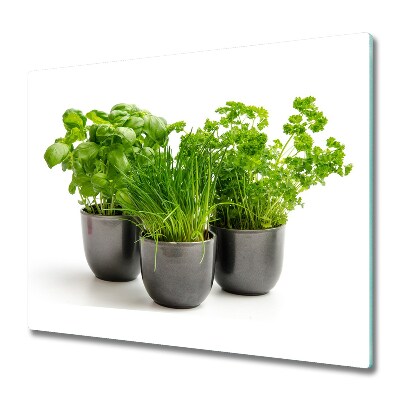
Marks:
<point>249,262</point>
<point>111,246</point>
<point>183,274</point>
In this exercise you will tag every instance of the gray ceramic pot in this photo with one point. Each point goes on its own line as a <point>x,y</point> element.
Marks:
<point>249,262</point>
<point>179,280</point>
<point>111,246</point>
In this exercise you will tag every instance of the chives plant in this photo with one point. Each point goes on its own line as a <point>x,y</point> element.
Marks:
<point>172,196</point>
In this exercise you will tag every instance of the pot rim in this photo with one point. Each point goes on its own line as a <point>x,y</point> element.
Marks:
<point>121,217</point>
<point>163,243</point>
<point>249,230</point>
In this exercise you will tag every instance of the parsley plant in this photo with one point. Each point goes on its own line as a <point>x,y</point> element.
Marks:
<point>260,181</point>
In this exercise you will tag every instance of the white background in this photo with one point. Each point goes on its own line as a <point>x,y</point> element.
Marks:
<point>44,34</point>
<point>319,310</point>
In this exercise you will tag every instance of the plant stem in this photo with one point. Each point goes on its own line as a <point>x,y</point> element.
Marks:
<point>284,147</point>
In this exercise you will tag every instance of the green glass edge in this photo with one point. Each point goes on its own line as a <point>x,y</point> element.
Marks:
<point>371,201</point>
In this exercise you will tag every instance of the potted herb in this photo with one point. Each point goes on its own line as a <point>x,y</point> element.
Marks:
<point>259,182</point>
<point>98,155</point>
<point>173,198</point>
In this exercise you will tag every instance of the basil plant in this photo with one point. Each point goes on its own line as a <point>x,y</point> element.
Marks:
<point>99,154</point>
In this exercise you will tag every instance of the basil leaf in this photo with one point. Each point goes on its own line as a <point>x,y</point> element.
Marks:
<point>136,123</point>
<point>149,142</point>
<point>77,167</point>
<point>118,159</point>
<point>118,117</point>
<point>129,108</point>
<point>126,133</point>
<point>66,164</point>
<point>123,198</point>
<point>155,128</point>
<point>146,156</point>
<point>102,132</point>
<point>74,119</point>
<point>81,179</point>
<point>56,153</point>
<point>87,190</point>
<point>75,135</point>
<point>86,151</point>
<point>92,133</point>
<point>100,181</point>
<point>98,117</point>
<point>72,187</point>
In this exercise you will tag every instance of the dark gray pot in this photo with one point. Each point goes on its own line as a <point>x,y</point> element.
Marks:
<point>249,262</point>
<point>179,280</point>
<point>111,246</point>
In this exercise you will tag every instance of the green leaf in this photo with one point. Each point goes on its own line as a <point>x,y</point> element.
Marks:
<point>102,132</point>
<point>56,153</point>
<point>262,124</point>
<point>123,198</point>
<point>98,117</point>
<point>100,181</point>
<point>176,126</point>
<point>66,164</point>
<point>149,142</point>
<point>74,119</point>
<point>155,128</point>
<point>126,133</point>
<point>129,108</point>
<point>81,179</point>
<point>77,167</point>
<point>86,151</point>
<point>72,187</point>
<point>87,190</point>
<point>75,135</point>
<point>118,159</point>
<point>146,156</point>
<point>295,119</point>
<point>136,123</point>
<point>348,168</point>
<point>118,117</point>
<point>303,142</point>
<point>92,133</point>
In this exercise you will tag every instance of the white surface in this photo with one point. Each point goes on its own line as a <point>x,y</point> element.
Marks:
<point>37,35</point>
<point>72,300</point>
<point>319,310</point>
